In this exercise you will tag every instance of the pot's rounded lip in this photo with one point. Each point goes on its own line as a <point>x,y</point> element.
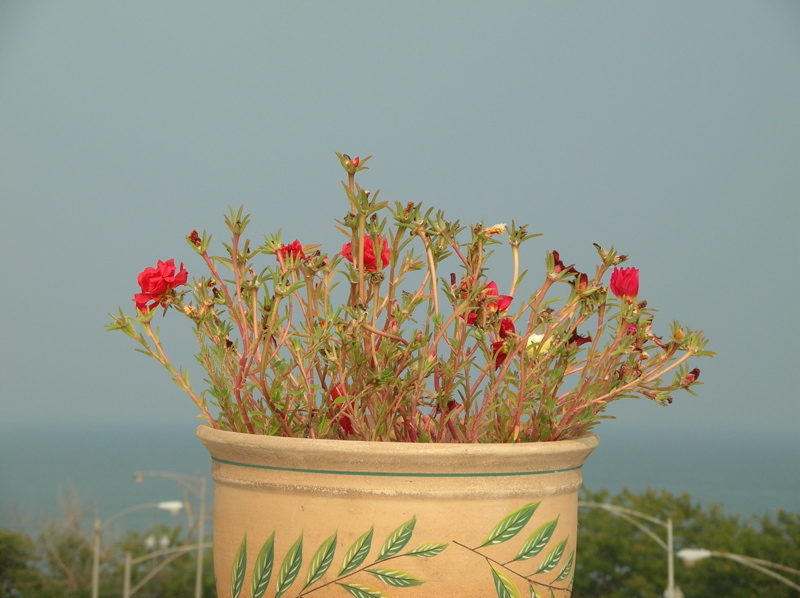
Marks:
<point>587,442</point>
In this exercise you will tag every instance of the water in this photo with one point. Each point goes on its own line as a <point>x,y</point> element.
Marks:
<point>749,474</point>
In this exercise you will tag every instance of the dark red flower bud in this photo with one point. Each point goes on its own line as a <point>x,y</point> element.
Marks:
<point>559,265</point>
<point>692,376</point>
<point>356,161</point>
<point>195,238</point>
<point>579,340</point>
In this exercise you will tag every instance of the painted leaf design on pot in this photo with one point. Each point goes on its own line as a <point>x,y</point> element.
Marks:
<point>397,540</point>
<point>510,525</point>
<point>427,550</point>
<point>262,570</point>
<point>321,560</point>
<point>567,568</point>
<point>537,541</point>
<point>504,586</point>
<point>239,566</point>
<point>534,593</point>
<point>551,560</point>
<point>396,578</point>
<point>360,590</point>
<point>290,567</point>
<point>357,553</point>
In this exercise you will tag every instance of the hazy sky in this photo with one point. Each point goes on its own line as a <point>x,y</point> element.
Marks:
<point>669,129</point>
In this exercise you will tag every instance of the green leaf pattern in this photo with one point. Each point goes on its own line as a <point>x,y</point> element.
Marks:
<point>353,562</point>
<point>510,525</point>
<point>504,586</point>
<point>320,562</point>
<point>551,560</point>
<point>357,553</point>
<point>538,540</point>
<point>397,540</point>
<point>239,566</point>
<point>361,591</point>
<point>396,578</point>
<point>290,568</point>
<point>262,570</point>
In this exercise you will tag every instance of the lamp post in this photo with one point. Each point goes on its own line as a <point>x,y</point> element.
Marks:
<point>631,516</point>
<point>691,555</point>
<point>191,486</point>
<point>170,554</point>
<point>171,506</point>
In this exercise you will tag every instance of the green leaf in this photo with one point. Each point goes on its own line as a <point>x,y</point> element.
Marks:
<point>567,568</point>
<point>262,570</point>
<point>397,540</point>
<point>551,560</point>
<point>534,593</point>
<point>396,578</point>
<point>357,553</point>
<point>239,566</point>
<point>538,540</point>
<point>504,586</point>
<point>510,526</point>
<point>290,567</point>
<point>321,560</point>
<point>359,590</point>
<point>427,550</point>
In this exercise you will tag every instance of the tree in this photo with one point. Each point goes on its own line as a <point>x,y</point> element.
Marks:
<point>617,560</point>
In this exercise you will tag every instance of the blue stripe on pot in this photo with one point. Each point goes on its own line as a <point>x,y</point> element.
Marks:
<point>397,474</point>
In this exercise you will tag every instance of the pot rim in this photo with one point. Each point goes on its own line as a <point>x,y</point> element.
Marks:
<point>588,440</point>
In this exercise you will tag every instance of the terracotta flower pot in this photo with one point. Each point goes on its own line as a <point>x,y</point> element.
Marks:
<point>300,517</point>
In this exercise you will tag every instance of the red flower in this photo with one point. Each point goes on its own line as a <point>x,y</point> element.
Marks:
<point>499,348</point>
<point>292,250</point>
<point>493,301</point>
<point>506,327</point>
<point>370,260</point>
<point>344,421</point>
<point>356,161</point>
<point>158,283</point>
<point>625,283</point>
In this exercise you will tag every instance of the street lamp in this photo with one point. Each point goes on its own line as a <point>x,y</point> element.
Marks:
<point>191,485</point>
<point>691,555</point>
<point>171,506</point>
<point>169,554</point>
<point>631,516</point>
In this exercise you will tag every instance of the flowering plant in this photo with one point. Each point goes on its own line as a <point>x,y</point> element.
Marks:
<point>333,346</point>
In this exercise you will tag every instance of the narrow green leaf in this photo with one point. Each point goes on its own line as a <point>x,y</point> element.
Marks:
<point>427,550</point>
<point>567,568</point>
<point>551,560</point>
<point>321,560</point>
<point>510,525</point>
<point>538,540</point>
<point>359,590</point>
<point>357,553</point>
<point>239,566</point>
<point>534,593</point>
<point>504,586</point>
<point>552,594</point>
<point>262,570</point>
<point>290,567</point>
<point>397,540</point>
<point>396,578</point>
